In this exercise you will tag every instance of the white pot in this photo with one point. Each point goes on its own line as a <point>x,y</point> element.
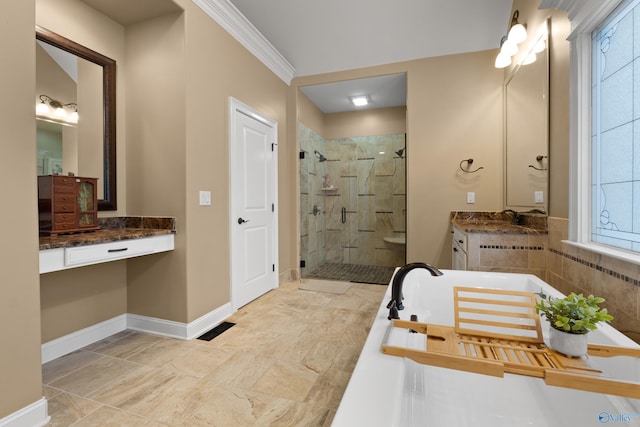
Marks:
<point>574,345</point>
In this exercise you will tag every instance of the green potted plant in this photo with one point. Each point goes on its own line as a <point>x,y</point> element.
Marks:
<point>571,318</point>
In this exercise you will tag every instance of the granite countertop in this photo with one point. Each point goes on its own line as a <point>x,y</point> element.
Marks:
<point>499,222</point>
<point>112,230</point>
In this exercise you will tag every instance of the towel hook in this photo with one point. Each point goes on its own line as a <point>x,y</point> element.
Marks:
<point>469,163</point>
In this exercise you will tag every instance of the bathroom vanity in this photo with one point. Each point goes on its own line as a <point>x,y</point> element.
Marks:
<point>491,241</point>
<point>117,238</point>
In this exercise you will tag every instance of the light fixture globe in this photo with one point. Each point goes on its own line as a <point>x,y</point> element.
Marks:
<point>517,34</point>
<point>509,48</point>
<point>42,108</point>
<point>502,60</point>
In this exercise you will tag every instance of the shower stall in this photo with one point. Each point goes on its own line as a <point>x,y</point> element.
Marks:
<point>352,204</point>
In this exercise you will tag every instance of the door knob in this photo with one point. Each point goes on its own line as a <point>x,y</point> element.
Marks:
<point>242,221</point>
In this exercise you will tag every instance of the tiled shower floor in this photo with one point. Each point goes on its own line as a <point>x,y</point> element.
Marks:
<point>353,273</point>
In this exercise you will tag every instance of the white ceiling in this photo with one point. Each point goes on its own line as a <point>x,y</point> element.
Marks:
<point>322,36</point>
<point>383,91</point>
<point>334,35</point>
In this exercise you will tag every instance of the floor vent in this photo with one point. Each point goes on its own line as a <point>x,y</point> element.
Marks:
<point>208,336</point>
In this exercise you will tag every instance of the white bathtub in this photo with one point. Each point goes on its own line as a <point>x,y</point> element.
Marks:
<point>387,391</point>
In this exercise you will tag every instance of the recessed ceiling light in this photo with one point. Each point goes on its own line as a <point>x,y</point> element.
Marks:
<point>360,101</point>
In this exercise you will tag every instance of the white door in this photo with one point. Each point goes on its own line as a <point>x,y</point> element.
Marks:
<point>253,174</point>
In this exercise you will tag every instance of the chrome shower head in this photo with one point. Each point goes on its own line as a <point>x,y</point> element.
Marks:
<point>321,157</point>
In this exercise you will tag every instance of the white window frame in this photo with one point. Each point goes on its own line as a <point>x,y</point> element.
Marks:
<point>584,22</point>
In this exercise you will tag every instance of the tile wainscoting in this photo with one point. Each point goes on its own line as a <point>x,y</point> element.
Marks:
<point>569,268</point>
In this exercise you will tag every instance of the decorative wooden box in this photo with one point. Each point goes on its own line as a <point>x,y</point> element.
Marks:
<point>67,204</point>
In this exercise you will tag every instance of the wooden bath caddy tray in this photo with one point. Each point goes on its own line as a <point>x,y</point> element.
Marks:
<point>498,331</point>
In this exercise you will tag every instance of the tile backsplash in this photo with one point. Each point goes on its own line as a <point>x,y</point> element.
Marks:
<point>569,268</point>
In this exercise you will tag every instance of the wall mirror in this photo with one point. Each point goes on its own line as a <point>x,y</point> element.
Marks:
<point>526,132</point>
<point>76,112</point>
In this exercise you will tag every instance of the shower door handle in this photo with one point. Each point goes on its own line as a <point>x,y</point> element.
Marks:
<point>344,215</point>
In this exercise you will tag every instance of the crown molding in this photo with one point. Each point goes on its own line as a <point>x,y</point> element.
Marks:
<point>236,24</point>
<point>583,14</point>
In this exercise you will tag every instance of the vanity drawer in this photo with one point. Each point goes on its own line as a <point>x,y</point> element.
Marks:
<point>460,238</point>
<point>112,251</point>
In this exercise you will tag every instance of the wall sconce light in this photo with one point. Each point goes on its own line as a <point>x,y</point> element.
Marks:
<point>360,101</point>
<point>54,110</point>
<point>517,33</point>
<point>504,57</point>
<point>509,43</point>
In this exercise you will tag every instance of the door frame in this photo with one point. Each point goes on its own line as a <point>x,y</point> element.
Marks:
<point>237,107</point>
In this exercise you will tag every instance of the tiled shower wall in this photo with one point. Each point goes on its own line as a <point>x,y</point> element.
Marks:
<point>569,268</point>
<point>369,180</point>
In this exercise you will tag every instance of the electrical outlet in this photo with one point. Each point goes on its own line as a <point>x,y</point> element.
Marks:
<point>539,196</point>
<point>471,197</point>
<point>205,198</point>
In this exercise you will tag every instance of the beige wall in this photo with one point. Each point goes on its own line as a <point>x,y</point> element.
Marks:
<point>81,297</point>
<point>156,160</point>
<point>381,121</point>
<point>309,114</point>
<point>454,112</point>
<point>20,374</point>
<point>65,297</point>
<point>204,66</point>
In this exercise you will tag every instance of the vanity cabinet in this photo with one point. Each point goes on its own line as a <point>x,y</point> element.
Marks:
<point>67,204</point>
<point>458,249</point>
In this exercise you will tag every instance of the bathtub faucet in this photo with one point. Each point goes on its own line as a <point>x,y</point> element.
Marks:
<point>396,286</point>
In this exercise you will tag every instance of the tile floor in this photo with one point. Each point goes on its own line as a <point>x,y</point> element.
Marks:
<point>286,362</point>
<point>353,273</point>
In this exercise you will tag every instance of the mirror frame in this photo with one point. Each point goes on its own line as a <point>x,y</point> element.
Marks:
<point>109,202</point>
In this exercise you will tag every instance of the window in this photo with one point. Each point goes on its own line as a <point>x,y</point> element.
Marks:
<point>605,144</point>
<point>615,117</point>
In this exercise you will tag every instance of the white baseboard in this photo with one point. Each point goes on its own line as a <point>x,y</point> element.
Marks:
<point>167,328</point>
<point>82,338</point>
<point>34,415</point>
<point>209,321</point>
<point>183,331</point>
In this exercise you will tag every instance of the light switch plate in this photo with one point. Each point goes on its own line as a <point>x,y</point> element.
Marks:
<point>539,196</point>
<point>205,198</point>
<point>471,197</point>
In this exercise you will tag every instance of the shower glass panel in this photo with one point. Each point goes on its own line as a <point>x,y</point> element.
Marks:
<point>360,199</point>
